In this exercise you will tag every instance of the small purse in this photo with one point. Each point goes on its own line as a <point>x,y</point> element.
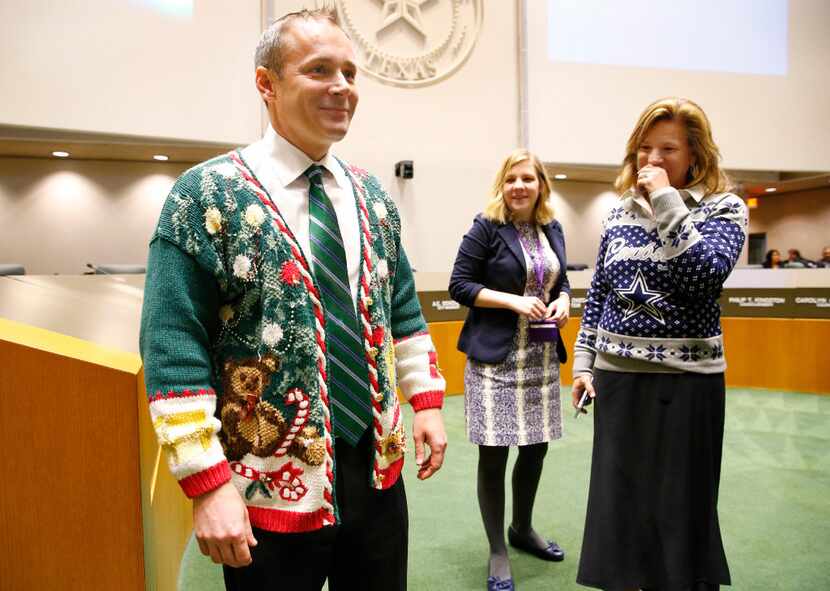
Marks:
<point>538,331</point>
<point>542,331</point>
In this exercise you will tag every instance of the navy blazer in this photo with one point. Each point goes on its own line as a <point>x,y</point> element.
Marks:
<point>491,256</point>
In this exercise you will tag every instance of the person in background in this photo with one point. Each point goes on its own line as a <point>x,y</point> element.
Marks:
<point>796,261</point>
<point>772,260</point>
<point>825,257</point>
<point>650,351</point>
<point>280,314</point>
<point>511,272</point>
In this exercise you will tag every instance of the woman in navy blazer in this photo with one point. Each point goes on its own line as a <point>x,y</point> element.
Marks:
<point>510,273</point>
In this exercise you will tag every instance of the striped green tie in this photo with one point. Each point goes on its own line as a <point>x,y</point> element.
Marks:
<point>347,370</point>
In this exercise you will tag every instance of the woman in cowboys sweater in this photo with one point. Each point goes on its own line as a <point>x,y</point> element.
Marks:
<point>650,350</point>
<point>510,272</point>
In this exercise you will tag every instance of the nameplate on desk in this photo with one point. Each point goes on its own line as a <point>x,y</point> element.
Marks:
<point>756,302</point>
<point>438,306</point>
<point>578,299</point>
<point>798,302</point>
<point>813,302</point>
<point>443,305</point>
<point>578,303</point>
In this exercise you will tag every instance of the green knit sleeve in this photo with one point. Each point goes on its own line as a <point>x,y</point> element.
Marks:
<point>180,313</point>
<point>179,321</point>
<point>416,362</point>
<point>407,318</point>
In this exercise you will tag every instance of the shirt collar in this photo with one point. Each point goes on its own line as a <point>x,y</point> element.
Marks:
<point>289,162</point>
<point>696,192</point>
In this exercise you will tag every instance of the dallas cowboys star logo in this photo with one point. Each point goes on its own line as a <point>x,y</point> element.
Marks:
<point>638,298</point>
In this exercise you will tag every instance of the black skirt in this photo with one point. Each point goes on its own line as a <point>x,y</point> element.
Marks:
<point>652,519</point>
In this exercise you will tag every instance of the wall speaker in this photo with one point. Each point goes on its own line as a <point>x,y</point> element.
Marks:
<point>404,169</point>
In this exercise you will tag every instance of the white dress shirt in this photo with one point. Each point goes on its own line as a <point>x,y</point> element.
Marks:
<point>279,166</point>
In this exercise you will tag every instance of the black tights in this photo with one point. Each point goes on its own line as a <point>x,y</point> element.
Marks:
<point>492,466</point>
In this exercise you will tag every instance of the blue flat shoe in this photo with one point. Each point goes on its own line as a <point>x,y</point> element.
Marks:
<point>550,552</point>
<point>497,584</point>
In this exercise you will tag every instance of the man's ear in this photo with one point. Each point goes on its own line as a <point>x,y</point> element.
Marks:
<point>265,80</point>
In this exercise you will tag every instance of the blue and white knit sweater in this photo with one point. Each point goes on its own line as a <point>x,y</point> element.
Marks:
<point>652,305</point>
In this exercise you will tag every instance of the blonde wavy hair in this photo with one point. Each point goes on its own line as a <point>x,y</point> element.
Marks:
<point>496,209</point>
<point>706,168</point>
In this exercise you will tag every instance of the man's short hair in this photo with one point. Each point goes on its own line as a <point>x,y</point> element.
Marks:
<point>271,46</point>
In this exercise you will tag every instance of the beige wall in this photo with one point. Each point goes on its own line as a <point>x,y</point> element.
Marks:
<point>794,220</point>
<point>58,215</point>
<point>456,132</point>
<point>580,208</point>
<point>583,113</point>
<point>128,68</point>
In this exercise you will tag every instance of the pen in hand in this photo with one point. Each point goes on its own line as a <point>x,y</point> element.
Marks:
<point>581,404</point>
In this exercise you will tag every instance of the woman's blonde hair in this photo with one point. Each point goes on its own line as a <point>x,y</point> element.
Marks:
<point>706,168</point>
<point>496,209</point>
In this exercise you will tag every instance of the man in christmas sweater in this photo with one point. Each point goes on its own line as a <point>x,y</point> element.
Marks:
<point>280,314</point>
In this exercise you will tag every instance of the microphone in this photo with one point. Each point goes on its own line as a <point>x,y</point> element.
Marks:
<point>96,270</point>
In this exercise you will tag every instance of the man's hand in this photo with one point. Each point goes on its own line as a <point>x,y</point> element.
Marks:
<point>582,383</point>
<point>220,520</point>
<point>428,427</point>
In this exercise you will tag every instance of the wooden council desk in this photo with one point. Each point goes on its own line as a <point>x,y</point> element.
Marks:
<point>776,326</point>
<point>87,498</point>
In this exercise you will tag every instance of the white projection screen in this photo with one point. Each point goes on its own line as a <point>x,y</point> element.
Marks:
<point>759,68</point>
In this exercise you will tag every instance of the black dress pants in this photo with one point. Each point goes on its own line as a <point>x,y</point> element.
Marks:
<point>366,551</point>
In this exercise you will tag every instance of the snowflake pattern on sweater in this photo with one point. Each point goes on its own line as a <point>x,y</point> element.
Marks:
<point>652,304</point>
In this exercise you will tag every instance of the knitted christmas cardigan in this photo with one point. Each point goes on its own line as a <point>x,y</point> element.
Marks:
<point>233,339</point>
<point>652,305</point>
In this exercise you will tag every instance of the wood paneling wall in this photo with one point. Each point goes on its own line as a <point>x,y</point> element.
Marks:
<point>781,354</point>
<point>70,509</point>
<point>778,353</point>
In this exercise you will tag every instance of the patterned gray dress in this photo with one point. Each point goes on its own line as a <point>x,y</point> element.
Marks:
<point>516,401</point>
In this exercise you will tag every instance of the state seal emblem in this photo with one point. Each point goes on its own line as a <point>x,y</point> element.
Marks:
<point>411,43</point>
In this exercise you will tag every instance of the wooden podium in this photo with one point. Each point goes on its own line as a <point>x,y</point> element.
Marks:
<point>84,503</point>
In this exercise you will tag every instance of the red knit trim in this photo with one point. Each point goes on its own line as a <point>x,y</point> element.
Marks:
<point>370,350</point>
<point>391,474</point>
<point>319,329</point>
<point>160,395</point>
<point>281,521</point>
<point>425,400</point>
<point>206,480</point>
<point>357,171</point>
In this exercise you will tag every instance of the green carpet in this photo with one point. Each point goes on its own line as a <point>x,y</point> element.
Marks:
<point>774,503</point>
